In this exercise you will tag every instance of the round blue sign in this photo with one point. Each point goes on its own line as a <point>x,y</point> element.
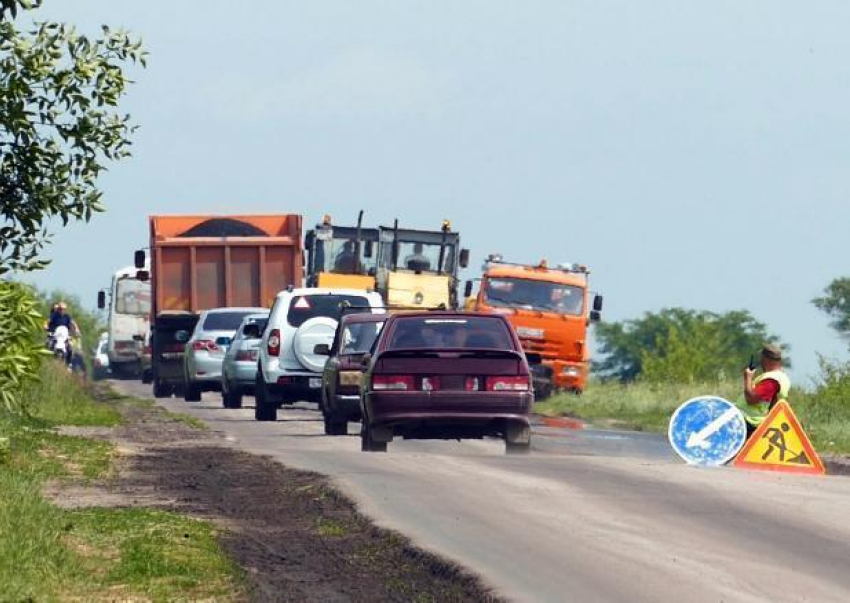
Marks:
<point>707,431</point>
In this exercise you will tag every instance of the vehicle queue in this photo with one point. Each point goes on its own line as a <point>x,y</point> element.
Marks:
<point>378,335</point>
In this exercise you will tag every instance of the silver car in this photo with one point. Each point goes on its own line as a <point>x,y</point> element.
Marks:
<point>239,370</point>
<point>206,348</point>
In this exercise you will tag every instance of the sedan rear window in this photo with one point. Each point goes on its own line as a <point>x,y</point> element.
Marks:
<point>461,333</point>
<point>304,307</point>
<point>224,321</point>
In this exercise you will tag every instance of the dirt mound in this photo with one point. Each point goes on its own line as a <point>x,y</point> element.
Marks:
<point>224,227</point>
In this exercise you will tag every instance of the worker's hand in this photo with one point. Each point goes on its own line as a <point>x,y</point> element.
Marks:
<point>748,374</point>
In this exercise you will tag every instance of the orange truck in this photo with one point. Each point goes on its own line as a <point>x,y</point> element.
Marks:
<point>203,262</point>
<point>551,309</point>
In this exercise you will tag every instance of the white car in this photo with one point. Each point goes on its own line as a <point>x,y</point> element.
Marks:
<point>100,358</point>
<point>206,348</point>
<point>289,369</point>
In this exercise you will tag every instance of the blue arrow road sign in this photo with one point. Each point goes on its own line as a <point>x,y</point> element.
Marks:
<point>707,431</point>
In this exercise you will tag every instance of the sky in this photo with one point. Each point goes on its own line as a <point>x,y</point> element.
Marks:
<point>693,154</point>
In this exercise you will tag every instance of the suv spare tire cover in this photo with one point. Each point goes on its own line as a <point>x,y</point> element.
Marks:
<point>313,332</point>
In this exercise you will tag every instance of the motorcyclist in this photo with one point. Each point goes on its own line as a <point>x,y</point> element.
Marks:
<point>60,318</point>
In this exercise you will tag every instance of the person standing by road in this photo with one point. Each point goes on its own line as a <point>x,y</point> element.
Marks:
<point>763,391</point>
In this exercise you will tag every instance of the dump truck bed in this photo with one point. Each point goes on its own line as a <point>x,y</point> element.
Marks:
<point>203,262</point>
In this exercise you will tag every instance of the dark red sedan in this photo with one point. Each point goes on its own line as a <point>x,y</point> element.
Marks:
<point>446,375</point>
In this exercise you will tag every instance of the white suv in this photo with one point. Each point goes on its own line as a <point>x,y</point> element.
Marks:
<point>289,369</point>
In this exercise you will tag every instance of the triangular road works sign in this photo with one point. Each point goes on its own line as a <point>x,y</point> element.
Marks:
<point>780,444</point>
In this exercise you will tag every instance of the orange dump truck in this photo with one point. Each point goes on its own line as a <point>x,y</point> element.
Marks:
<point>203,262</point>
<point>550,308</point>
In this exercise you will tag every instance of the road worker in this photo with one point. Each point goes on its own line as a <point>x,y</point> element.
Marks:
<point>762,391</point>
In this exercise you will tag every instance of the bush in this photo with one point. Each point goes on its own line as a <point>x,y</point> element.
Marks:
<point>21,343</point>
<point>825,411</point>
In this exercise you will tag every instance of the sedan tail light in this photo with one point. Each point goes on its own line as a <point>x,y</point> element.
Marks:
<point>392,382</point>
<point>246,355</point>
<point>274,343</point>
<point>204,344</point>
<point>472,384</point>
<point>508,384</point>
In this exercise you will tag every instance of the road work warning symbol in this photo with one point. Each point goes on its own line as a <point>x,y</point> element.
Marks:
<point>780,444</point>
<point>707,431</point>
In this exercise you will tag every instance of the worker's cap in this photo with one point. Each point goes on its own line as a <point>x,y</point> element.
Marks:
<point>771,351</point>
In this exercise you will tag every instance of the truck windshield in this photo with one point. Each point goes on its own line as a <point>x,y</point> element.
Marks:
<point>132,297</point>
<point>421,257</point>
<point>534,295</point>
<point>339,256</point>
<point>451,333</point>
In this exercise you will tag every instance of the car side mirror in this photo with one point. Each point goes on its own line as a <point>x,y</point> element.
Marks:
<point>143,275</point>
<point>368,249</point>
<point>595,316</point>
<point>464,258</point>
<point>533,358</point>
<point>181,336</point>
<point>597,303</point>
<point>322,349</point>
<point>101,300</point>
<point>467,289</point>
<point>139,259</point>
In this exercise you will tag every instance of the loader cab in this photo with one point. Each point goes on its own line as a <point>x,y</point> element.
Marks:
<point>341,256</point>
<point>418,269</point>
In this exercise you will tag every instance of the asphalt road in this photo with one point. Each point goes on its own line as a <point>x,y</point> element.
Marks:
<point>588,515</point>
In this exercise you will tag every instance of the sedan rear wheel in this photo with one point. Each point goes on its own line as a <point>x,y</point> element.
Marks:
<point>265,409</point>
<point>335,427</point>
<point>161,390</point>
<point>231,396</point>
<point>367,442</point>
<point>192,393</point>
<point>517,438</point>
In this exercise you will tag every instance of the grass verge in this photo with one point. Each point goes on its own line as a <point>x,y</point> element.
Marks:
<point>824,411</point>
<point>49,553</point>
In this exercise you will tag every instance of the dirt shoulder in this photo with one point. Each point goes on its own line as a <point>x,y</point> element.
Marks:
<point>297,538</point>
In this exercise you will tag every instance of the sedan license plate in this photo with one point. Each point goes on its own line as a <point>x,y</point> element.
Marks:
<point>315,382</point>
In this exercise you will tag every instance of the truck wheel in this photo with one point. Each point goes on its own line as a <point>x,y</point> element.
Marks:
<point>517,438</point>
<point>192,393</point>
<point>367,441</point>
<point>161,390</point>
<point>335,427</point>
<point>264,408</point>
<point>231,397</point>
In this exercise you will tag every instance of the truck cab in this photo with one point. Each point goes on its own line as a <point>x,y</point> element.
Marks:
<point>129,306</point>
<point>418,269</point>
<point>550,308</point>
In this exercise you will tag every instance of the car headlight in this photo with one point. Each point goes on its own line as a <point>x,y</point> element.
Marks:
<point>350,378</point>
<point>571,371</point>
